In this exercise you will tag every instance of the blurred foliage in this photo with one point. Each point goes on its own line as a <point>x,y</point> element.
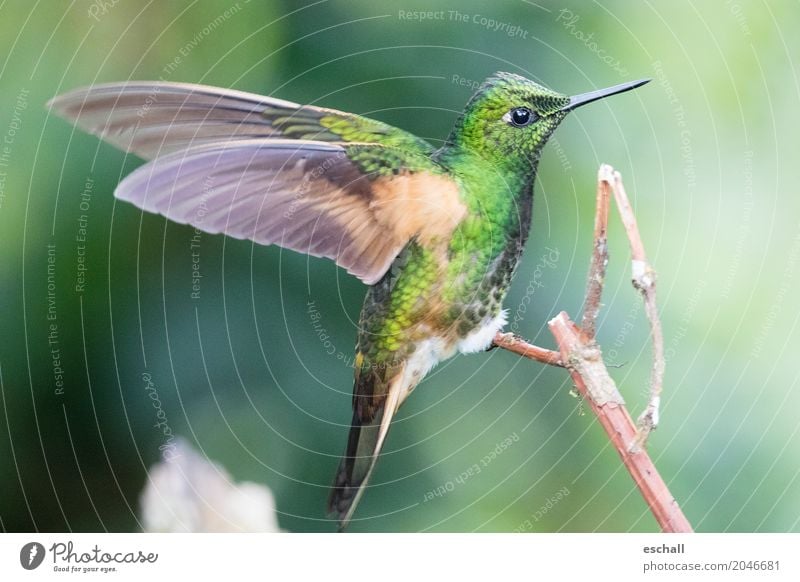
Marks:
<point>708,152</point>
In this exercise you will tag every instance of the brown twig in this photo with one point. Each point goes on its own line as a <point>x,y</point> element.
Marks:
<point>579,352</point>
<point>644,280</point>
<point>597,268</point>
<point>591,378</point>
<point>514,343</point>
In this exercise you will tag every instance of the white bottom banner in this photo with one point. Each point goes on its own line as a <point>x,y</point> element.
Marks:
<point>387,557</point>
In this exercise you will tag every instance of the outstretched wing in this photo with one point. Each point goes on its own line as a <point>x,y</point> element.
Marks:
<point>314,180</point>
<point>357,204</point>
<point>151,119</point>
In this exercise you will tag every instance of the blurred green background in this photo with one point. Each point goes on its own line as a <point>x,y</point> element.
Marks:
<point>709,154</point>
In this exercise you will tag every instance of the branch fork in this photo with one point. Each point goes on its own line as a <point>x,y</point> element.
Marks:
<point>580,354</point>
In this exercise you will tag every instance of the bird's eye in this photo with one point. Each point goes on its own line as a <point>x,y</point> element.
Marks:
<point>520,117</point>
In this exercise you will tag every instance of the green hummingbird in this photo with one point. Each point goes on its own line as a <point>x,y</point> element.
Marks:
<point>436,233</point>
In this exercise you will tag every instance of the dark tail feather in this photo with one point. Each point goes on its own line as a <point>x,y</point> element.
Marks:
<point>363,447</point>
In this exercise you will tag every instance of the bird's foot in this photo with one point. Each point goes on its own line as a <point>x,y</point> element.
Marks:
<point>509,338</point>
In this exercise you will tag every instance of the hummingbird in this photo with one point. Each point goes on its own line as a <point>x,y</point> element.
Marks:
<point>436,233</point>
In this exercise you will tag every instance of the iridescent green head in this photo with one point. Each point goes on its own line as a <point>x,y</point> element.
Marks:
<point>510,118</point>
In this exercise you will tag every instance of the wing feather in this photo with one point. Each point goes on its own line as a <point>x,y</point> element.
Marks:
<point>311,179</point>
<point>152,119</point>
<point>305,196</point>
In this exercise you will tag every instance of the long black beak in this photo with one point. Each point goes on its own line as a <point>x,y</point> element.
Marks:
<point>585,98</point>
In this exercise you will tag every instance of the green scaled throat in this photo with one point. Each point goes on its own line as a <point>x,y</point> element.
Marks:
<point>436,234</point>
